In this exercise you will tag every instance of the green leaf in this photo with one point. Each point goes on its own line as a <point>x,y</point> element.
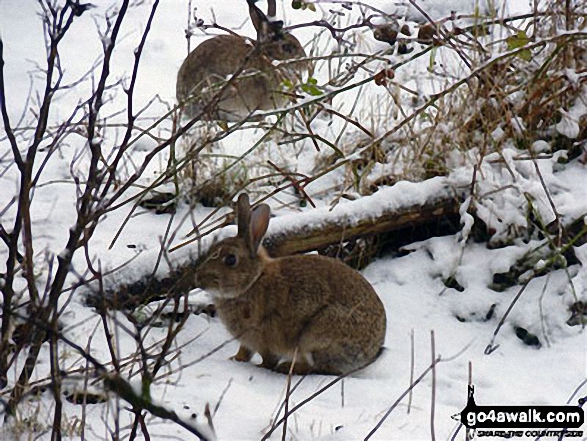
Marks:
<point>311,89</point>
<point>303,5</point>
<point>519,41</point>
<point>525,55</point>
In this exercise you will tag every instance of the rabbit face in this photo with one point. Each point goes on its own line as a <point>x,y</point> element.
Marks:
<point>259,86</point>
<point>285,47</point>
<point>229,270</point>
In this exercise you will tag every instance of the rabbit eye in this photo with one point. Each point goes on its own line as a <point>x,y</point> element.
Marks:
<point>230,260</point>
<point>289,48</point>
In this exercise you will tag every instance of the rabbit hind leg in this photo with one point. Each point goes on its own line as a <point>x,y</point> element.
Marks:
<point>300,367</point>
<point>270,360</point>
<point>336,343</point>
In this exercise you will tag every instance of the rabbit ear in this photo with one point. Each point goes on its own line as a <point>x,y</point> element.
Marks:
<point>267,29</point>
<point>258,18</point>
<point>258,227</point>
<point>243,214</point>
<point>271,8</point>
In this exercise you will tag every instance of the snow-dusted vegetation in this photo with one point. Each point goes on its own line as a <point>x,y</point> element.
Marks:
<point>438,147</point>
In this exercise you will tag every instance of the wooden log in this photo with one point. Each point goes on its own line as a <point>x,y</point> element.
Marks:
<point>406,204</point>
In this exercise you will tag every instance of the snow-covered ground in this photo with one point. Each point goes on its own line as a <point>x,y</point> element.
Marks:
<point>411,287</point>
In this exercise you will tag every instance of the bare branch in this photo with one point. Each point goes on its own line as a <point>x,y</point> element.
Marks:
<point>5,117</point>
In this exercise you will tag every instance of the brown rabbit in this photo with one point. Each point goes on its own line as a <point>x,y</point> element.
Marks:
<point>258,87</point>
<point>311,305</point>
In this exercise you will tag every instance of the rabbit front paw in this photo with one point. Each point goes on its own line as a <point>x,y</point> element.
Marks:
<point>244,354</point>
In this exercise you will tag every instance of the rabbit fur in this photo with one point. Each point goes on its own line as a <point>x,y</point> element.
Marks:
<point>258,87</point>
<point>312,306</point>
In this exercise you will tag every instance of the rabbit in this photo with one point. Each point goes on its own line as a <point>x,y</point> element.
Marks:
<point>312,311</point>
<point>205,70</point>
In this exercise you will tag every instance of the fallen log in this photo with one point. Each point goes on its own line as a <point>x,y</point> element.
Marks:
<point>406,205</point>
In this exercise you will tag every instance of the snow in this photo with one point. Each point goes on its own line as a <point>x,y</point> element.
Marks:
<point>569,124</point>
<point>403,194</point>
<point>412,287</point>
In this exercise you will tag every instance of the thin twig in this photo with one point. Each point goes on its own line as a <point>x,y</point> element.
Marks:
<point>401,397</point>
<point>287,393</point>
<point>491,347</point>
<point>412,368</point>
<point>433,397</point>
<point>306,401</point>
<point>414,384</point>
